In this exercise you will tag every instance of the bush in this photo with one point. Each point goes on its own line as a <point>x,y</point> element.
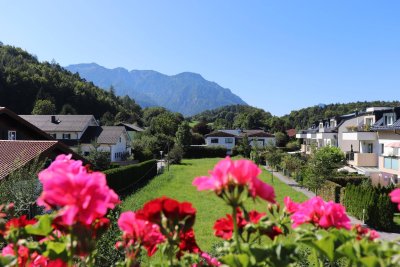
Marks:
<point>196,152</point>
<point>330,191</point>
<point>197,139</point>
<point>344,181</point>
<point>371,203</point>
<point>176,154</point>
<point>124,180</point>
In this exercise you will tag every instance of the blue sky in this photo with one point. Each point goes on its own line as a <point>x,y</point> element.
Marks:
<point>276,55</point>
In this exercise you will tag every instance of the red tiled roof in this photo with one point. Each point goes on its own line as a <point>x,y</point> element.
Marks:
<point>15,154</point>
<point>291,132</point>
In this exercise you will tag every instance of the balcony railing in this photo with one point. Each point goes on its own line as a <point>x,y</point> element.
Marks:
<point>362,159</point>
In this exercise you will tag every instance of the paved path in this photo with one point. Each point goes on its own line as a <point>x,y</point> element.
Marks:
<point>309,194</point>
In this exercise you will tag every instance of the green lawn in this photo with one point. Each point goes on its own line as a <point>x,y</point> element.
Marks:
<point>177,183</point>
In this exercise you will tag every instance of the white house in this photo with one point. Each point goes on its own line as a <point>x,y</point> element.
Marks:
<point>229,138</point>
<point>81,131</point>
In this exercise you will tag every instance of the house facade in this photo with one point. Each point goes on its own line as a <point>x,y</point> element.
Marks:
<point>21,142</point>
<point>82,131</point>
<point>230,138</point>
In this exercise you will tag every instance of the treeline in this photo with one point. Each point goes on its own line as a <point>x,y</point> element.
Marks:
<point>247,117</point>
<point>24,81</point>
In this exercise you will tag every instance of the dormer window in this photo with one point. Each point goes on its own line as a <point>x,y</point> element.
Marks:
<point>12,135</point>
<point>321,125</point>
<point>389,119</point>
<point>333,123</point>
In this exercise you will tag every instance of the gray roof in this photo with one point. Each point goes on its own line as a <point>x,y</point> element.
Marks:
<point>380,125</point>
<point>239,133</point>
<point>66,123</point>
<point>103,134</point>
<point>131,127</point>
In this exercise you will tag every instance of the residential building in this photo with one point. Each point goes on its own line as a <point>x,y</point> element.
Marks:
<point>230,138</point>
<point>82,131</point>
<point>132,129</point>
<point>21,142</point>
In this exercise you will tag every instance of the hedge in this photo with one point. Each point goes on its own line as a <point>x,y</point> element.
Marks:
<point>379,210</point>
<point>196,152</point>
<point>125,179</point>
<point>330,191</point>
<point>344,181</point>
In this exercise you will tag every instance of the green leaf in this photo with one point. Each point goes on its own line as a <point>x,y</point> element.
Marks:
<point>236,260</point>
<point>327,246</point>
<point>370,261</point>
<point>42,227</point>
<point>56,250</point>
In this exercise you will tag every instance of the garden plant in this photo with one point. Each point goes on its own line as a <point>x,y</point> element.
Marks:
<point>77,201</point>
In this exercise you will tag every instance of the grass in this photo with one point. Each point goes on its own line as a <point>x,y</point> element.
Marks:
<point>177,184</point>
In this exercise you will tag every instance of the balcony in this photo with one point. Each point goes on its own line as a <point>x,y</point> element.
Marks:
<point>359,136</point>
<point>306,149</point>
<point>389,164</point>
<point>362,159</point>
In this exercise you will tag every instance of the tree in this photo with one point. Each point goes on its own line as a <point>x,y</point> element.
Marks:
<point>291,163</point>
<point>323,164</point>
<point>183,135</point>
<point>273,156</point>
<point>67,109</point>
<point>152,112</point>
<point>244,147</point>
<point>202,128</point>
<point>44,107</point>
<point>166,123</point>
<point>281,139</point>
<point>107,119</point>
<point>100,160</point>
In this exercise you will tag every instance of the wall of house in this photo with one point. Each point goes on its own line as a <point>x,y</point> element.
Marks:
<point>222,142</point>
<point>22,132</point>
<point>345,145</point>
<point>262,141</point>
<point>120,148</point>
<point>74,135</point>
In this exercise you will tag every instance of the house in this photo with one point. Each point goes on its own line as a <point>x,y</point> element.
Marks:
<point>112,139</point>
<point>132,129</point>
<point>21,142</point>
<point>229,138</point>
<point>81,131</point>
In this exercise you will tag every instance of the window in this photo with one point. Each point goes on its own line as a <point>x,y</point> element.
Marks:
<point>321,125</point>
<point>214,140</point>
<point>389,119</point>
<point>12,135</point>
<point>120,139</point>
<point>333,123</point>
<point>86,153</point>
<point>53,135</point>
<point>396,151</point>
<point>382,149</point>
<point>66,136</point>
<point>228,140</point>
<point>370,148</point>
<point>369,121</point>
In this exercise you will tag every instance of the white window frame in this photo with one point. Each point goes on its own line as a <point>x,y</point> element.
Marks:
<point>64,135</point>
<point>228,140</point>
<point>12,135</point>
<point>386,118</point>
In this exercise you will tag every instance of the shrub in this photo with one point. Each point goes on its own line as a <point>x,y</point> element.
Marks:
<point>176,154</point>
<point>196,152</point>
<point>330,191</point>
<point>127,178</point>
<point>197,139</point>
<point>344,181</point>
<point>371,204</point>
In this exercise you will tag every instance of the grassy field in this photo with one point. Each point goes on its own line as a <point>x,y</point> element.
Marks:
<point>177,183</point>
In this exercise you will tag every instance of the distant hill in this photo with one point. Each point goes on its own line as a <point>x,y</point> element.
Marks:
<point>23,80</point>
<point>187,93</point>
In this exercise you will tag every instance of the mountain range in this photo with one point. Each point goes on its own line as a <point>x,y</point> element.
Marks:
<point>188,93</point>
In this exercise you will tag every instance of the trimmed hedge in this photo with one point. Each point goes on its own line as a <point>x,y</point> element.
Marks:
<point>344,181</point>
<point>197,152</point>
<point>379,210</point>
<point>330,191</point>
<point>125,179</point>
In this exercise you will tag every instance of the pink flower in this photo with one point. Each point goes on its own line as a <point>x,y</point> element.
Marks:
<point>81,196</point>
<point>291,206</point>
<point>137,231</point>
<point>240,172</point>
<point>211,261</point>
<point>395,196</point>
<point>320,213</point>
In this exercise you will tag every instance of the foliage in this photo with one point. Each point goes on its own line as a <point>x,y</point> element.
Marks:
<point>183,135</point>
<point>292,163</point>
<point>345,180</point>
<point>202,128</point>
<point>145,146</point>
<point>243,147</point>
<point>197,139</point>
<point>99,160</point>
<point>323,164</point>
<point>197,152</point>
<point>371,204</point>
<point>176,154</point>
<point>67,109</point>
<point>273,156</point>
<point>293,145</point>
<point>23,75</point>
<point>22,188</point>
<point>127,178</point>
<point>330,191</point>
<point>44,107</point>
<point>166,123</point>
<point>281,139</point>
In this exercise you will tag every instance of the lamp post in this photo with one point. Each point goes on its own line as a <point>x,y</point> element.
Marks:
<point>161,158</point>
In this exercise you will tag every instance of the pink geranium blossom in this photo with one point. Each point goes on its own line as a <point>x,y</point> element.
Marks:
<point>318,212</point>
<point>80,195</point>
<point>137,231</point>
<point>240,172</point>
<point>395,196</point>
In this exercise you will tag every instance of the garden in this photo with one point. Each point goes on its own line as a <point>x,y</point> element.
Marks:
<point>251,226</point>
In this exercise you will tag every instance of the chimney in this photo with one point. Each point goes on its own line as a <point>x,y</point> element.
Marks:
<point>53,119</point>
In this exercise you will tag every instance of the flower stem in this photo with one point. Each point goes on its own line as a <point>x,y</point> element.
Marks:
<point>236,229</point>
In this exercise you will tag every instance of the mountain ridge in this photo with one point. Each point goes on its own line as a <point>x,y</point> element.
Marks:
<point>186,92</point>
